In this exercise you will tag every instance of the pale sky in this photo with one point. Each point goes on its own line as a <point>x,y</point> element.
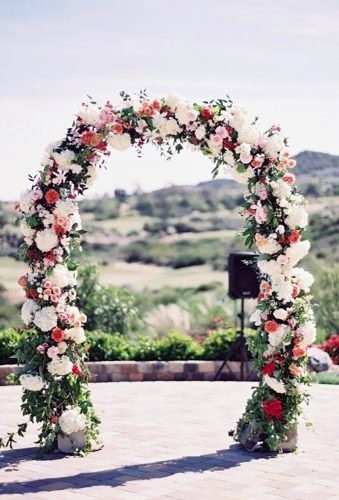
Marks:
<point>279,59</point>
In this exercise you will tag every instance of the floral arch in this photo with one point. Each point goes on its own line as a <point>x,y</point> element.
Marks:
<point>54,377</point>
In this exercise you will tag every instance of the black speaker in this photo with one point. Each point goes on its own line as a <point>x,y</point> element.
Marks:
<point>243,275</point>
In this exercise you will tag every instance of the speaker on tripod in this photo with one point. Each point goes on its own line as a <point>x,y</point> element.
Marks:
<point>243,283</point>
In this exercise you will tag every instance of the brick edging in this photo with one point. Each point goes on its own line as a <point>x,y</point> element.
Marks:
<point>142,371</point>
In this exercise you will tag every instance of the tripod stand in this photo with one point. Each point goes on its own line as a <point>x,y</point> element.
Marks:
<point>239,347</point>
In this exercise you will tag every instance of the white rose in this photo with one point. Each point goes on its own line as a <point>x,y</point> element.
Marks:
<point>200,132</point>
<point>309,333</point>
<point>89,114</point>
<point>303,278</point>
<point>72,420</point>
<point>270,267</point>
<point>283,289</point>
<point>77,334</point>
<point>268,245</point>
<point>46,240</point>
<point>28,310</point>
<point>121,142</point>
<point>46,318</point>
<point>278,336</point>
<point>185,114</point>
<point>31,382</point>
<point>280,314</point>
<point>64,159</point>
<point>172,100</point>
<point>61,276</point>
<point>274,384</point>
<point>65,208</point>
<point>60,366</point>
<point>229,159</point>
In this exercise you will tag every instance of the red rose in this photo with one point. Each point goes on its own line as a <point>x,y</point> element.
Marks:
<point>206,113</point>
<point>32,294</point>
<point>77,370</point>
<point>269,368</point>
<point>271,326</point>
<point>293,237</point>
<point>90,138</point>
<point>57,334</point>
<point>295,291</point>
<point>54,419</point>
<point>228,144</point>
<point>273,409</point>
<point>52,196</point>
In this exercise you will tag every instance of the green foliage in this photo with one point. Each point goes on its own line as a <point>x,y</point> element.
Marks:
<point>326,378</point>
<point>9,313</point>
<point>106,307</point>
<point>326,294</point>
<point>9,340</point>
<point>177,346</point>
<point>218,344</point>
<point>108,347</point>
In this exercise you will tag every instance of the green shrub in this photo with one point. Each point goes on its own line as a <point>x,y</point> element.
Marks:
<point>178,347</point>
<point>8,343</point>
<point>217,344</point>
<point>107,308</point>
<point>146,349</point>
<point>108,347</point>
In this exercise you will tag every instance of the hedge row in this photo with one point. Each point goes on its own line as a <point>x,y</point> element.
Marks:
<point>115,347</point>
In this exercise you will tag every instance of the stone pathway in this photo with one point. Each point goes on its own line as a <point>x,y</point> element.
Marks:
<point>168,441</point>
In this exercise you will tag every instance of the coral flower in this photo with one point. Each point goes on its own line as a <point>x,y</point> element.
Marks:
<point>294,236</point>
<point>298,352</point>
<point>295,291</point>
<point>23,281</point>
<point>271,326</point>
<point>289,179</point>
<point>295,370</point>
<point>118,128</point>
<point>57,334</point>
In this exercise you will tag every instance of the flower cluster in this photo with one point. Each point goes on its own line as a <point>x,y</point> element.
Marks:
<point>275,219</point>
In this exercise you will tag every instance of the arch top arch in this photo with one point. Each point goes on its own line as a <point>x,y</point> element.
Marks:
<point>275,217</point>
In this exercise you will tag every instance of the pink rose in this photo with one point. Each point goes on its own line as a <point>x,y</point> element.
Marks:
<point>245,157</point>
<point>261,142</point>
<point>216,140</point>
<point>262,193</point>
<point>52,352</point>
<point>222,132</point>
<point>37,194</point>
<point>257,162</point>
<point>261,214</point>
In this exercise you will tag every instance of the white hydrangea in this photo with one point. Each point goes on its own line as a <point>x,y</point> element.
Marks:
<point>297,251</point>
<point>65,208</point>
<point>277,337</point>
<point>280,314</point>
<point>46,318</point>
<point>72,420</point>
<point>270,267</point>
<point>303,279</point>
<point>256,318</point>
<point>31,382</point>
<point>26,201</point>
<point>26,230</point>
<point>309,333</point>
<point>249,134</point>
<point>60,366</point>
<point>296,216</point>
<point>229,160</point>
<point>64,159</point>
<point>92,173</point>
<point>121,142</point>
<point>274,145</point>
<point>28,311</point>
<point>281,189</point>
<point>76,334</point>
<point>61,276</point>
<point>239,117</point>
<point>275,384</point>
<point>46,239</point>
<point>282,288</point>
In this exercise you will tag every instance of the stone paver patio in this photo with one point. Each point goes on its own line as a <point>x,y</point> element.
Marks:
<point>168,440</point>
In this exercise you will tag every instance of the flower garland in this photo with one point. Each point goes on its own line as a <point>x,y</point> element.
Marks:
<point>55,377</point>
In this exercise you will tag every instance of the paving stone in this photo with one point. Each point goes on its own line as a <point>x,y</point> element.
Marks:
<point>168,440</point>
